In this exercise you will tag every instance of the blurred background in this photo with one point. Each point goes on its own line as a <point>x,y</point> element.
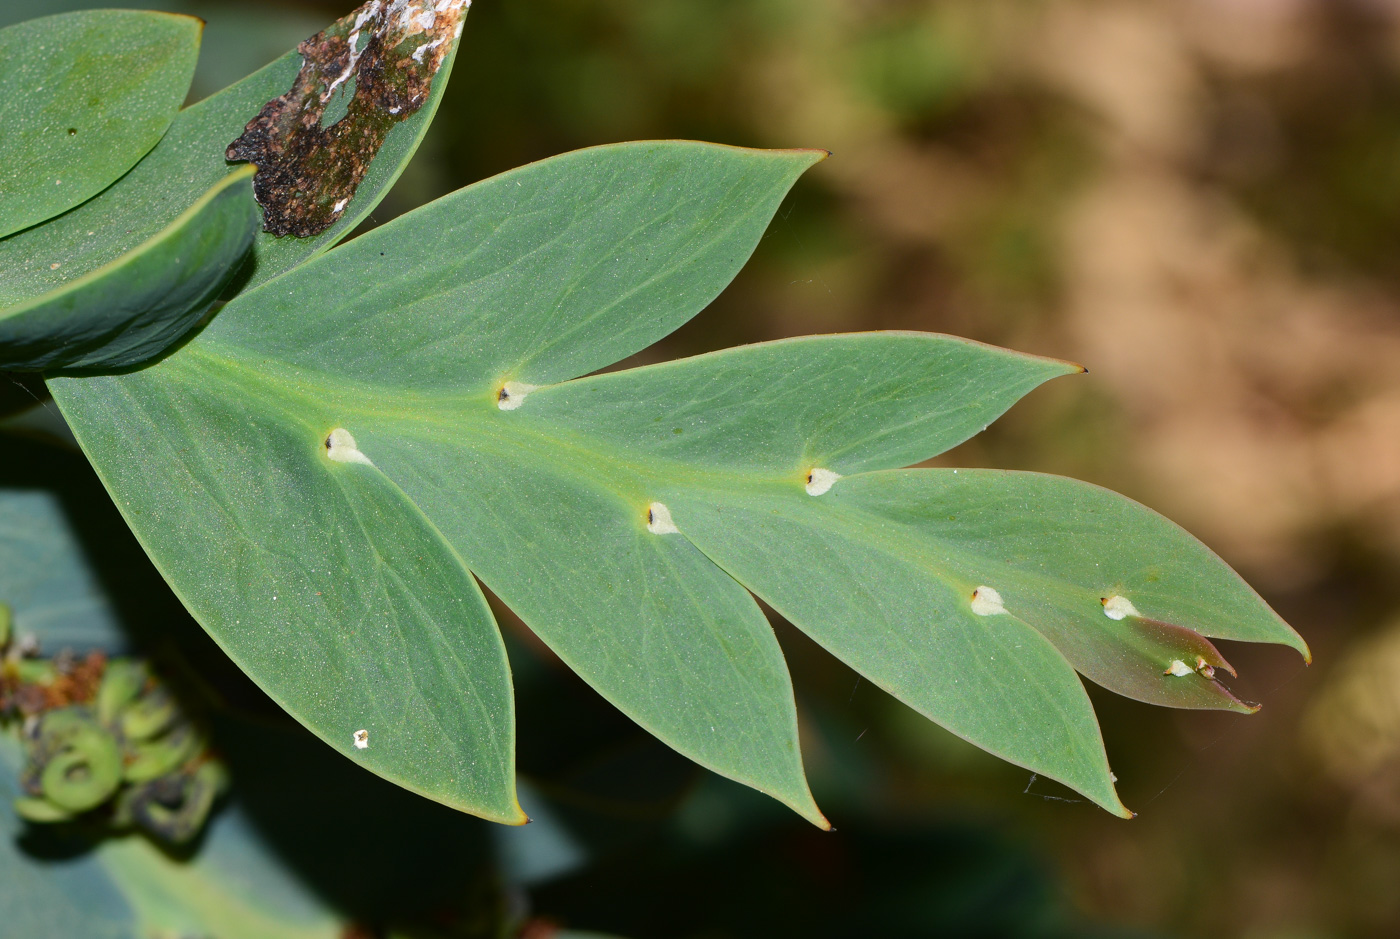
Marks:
<point>1197,199</point>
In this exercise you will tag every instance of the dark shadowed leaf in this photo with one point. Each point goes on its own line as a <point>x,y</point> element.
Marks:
<point>135,306</point>
<point>127,888</point>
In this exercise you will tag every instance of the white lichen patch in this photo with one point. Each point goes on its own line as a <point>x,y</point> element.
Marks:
<point>986,601</point>
<point>512,395</point>
<point>820,481</point>
<point>340,447</point>
<point>1179,668</point>
<point>1116,607</point>
<point>361,738</point>
<point>367,13</point>
<point>659,521</point>
<point>426,47</point>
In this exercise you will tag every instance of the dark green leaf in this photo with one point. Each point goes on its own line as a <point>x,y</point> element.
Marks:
<point>83,96</point>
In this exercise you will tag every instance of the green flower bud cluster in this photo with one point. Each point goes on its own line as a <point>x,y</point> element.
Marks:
<point>128,757</point>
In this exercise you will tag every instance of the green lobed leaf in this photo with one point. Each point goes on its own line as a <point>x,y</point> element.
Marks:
<point>620,514</point>
<point>134,307</point>
<point>699,664</point>
<point>83,96</point>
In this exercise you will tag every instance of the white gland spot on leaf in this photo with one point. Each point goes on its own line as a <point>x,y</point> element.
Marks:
<point>820,481</point>
<point>361,740</point>
<point>659,521</point>
<point>340,447</point>
<point>512,395</point>
<point>986,601</point>
<point>1179,668</point>
<point>1117,607</point>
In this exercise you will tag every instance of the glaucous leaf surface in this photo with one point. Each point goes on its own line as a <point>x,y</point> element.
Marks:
<point>83,96</point>
<point>438,358</point>
<point>692,659</point>
<point>190,159</point>
<point>135,306</point>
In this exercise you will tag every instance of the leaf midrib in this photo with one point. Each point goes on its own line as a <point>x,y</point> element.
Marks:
<point>293,393</point>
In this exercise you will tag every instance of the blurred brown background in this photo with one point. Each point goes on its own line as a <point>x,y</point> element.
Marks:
<point>1197,199</point>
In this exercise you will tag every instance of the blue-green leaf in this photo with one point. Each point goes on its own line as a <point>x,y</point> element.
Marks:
<point>622,515</point>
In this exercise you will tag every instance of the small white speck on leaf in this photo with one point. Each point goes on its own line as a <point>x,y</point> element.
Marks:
<point>512,395</point>
<point>340,206</point>
<point>659,520</point>
<point>820,481</point>
<point>1179,668</point>
<point>340,447</point>
<point>1116,607</point>
<point>361,740</point>
<point>986,601</point>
